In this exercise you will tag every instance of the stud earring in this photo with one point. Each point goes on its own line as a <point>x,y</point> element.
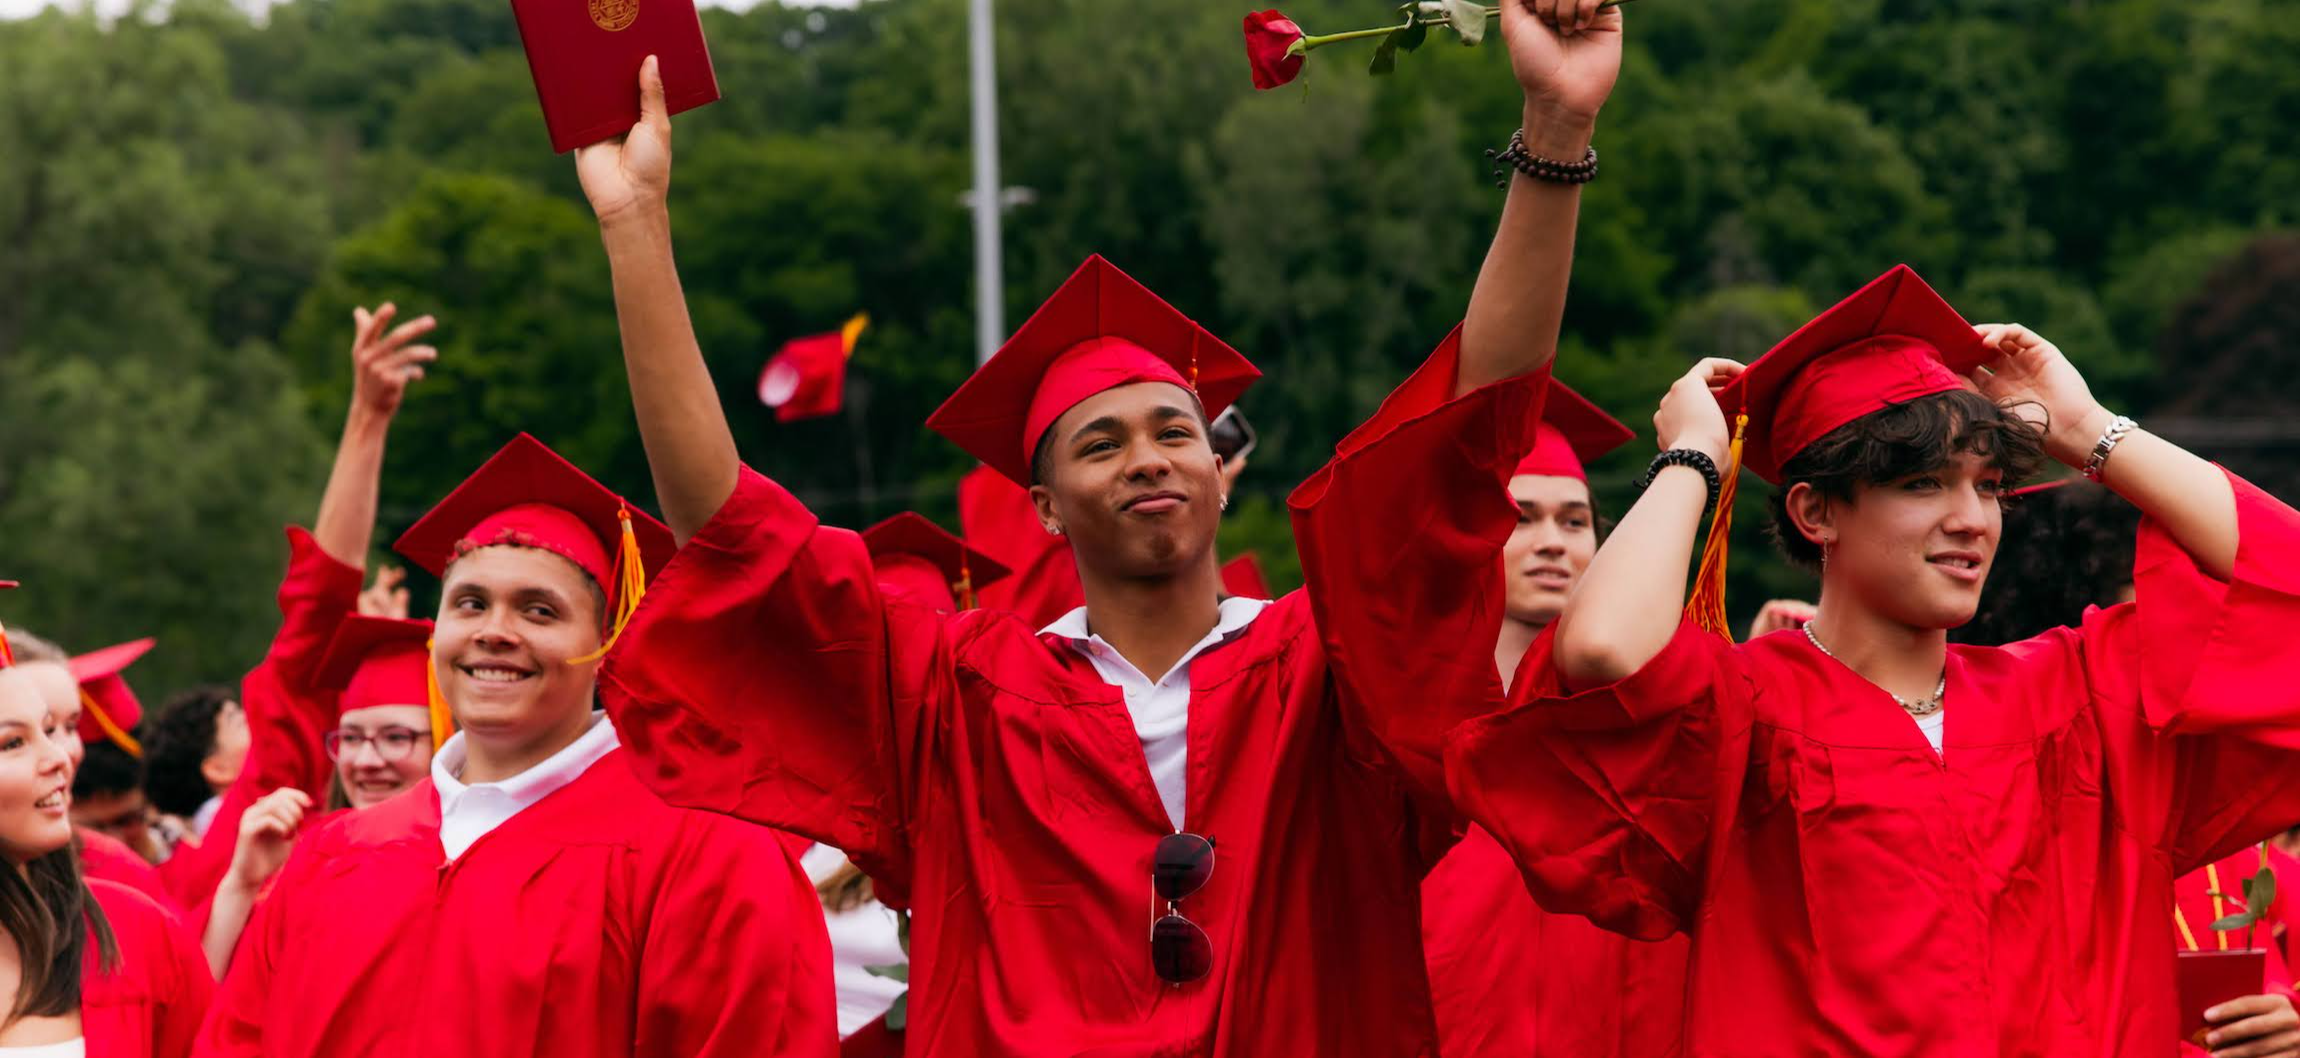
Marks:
<point>1225,501</point>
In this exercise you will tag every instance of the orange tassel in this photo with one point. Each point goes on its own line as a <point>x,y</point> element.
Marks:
<point>112,731</point>
<point>965,585</point>
<point>442,720</point>
<point>1706,606</point>
<point>852,331</point>
<point>629,588</point>
<point>7,654</point>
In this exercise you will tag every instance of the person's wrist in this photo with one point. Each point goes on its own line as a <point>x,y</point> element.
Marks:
<point>2072,443</point>
<point>1709,447</point>
<point>1557,133</point>
<point>643,220</point>
<point>366,420</point>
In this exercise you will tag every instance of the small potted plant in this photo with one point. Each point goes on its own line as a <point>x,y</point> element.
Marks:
<point>2210,977</point>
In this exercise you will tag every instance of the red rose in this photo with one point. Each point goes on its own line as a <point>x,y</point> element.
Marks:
<point>1270,40</point>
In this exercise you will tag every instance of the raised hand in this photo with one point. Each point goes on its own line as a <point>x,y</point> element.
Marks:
<point>267,835</point>
<point>1566,54</point>
<point>630,175</point>
<point>1781,614</point>
<point>386,596</point>
<point>1690,418</point>
<point>2033,375</point>
<point>382,361</point>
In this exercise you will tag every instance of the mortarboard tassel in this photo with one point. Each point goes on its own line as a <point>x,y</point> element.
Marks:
<point>442,721</point>
<point>851,331</point>
<point>7,653</point>
<point>630,586</point>
<point>112,731</point>
<point>1707,605</point>
<point>965,585</point>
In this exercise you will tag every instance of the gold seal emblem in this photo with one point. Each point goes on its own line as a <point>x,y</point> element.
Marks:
<point>612,15</point>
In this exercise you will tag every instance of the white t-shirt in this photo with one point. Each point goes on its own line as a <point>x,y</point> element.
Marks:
<point>468,812</point>
<point>1933,726</point>
<point>1161,708</point>
<point>866,935</point>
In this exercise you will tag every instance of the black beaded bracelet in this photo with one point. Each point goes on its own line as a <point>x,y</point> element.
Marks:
<point>1695,459</point>
<point>1515,156</point>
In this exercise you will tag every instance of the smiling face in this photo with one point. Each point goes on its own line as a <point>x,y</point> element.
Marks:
<point>35,772</point>
<point>1915,549</point>
<point>381,751</point>
<point>509,619</point>
<point>1132,480</point>
<point>53,682</point>
<point>1555,538</point>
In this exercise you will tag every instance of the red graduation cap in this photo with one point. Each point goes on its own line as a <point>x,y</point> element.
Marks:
<point>1242,576</point>
<point>108,707</point>
<point>375,661</point>
<point>928,565</point>
<point>1572,433</point>
<point>7,653</point>
<point>1890,342</point>
<point>808,376</point>
<point>1893,341</point>
<point>528,495</point>
<point>1098,331</point>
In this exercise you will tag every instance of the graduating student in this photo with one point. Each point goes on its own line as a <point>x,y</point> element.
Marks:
<point>46,670</point>
<point>530,894</point>
<point>1168,822</point>
<point>1880,842</point>
<point>90,967</point>
<point>1506,977</point>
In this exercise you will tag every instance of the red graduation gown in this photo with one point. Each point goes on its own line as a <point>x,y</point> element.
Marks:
<point>989,775</point>
<point>1509,979</point>
<point>997,519</point>
<point>107,858</point>
<point>150,1001</point>
<point>287,716</point>
<point>598,921</point>
<point>1850,891</point>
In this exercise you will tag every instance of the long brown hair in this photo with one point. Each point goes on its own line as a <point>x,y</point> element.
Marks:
<point>49,912</point>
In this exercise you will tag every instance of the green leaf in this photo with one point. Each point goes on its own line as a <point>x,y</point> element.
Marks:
<point>898,1016</point>
<point>1468,18</point>
<point>1385,59</point>
<point>2259,890</point>
<point>900,972</point>
<point>1412,36</point>
<point>2239,921</point>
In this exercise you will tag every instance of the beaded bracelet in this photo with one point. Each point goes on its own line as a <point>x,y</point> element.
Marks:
<point>1515,156</point>
<point>1693,458</point>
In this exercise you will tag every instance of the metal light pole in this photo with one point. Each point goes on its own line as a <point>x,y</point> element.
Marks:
<point>989,280</point>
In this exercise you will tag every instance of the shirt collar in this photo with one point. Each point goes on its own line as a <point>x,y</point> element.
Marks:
<point>529,787</point>
<point>1236,613</point>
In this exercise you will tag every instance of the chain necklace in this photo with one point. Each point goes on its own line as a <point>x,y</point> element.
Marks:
<point>1916,708</point>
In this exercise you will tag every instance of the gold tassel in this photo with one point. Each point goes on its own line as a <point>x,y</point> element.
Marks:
<point>851,331</point>
<point>7,653</point>
<point>965,585</point>
<point>112,731</point>
<point>1707,604</point>
<point>442,720</point>
<point>630,586</point>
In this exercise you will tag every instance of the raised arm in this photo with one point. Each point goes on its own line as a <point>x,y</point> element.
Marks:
<point>1566,55</point>
<point>2177,489</point>
<point>383,363</point>
<point>689,447</point>
<point>1627,606</point>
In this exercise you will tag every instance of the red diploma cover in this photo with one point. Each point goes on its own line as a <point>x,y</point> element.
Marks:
<point>2210,978</point>
<point>585,55</point>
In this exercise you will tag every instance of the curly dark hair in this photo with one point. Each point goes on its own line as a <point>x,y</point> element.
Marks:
<point>106,770</point>
<point>177,742</point>
<point>1900,440</point>
<point>2071,548</point>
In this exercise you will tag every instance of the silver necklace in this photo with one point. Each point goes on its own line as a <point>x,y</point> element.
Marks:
<point>1918,708</point>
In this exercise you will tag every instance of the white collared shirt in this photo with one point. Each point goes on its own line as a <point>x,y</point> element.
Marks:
<point>468,812</point>
<point>1161,708</point>
<point>865,936</point>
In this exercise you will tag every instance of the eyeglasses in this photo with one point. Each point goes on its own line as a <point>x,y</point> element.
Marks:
<point>1179,867</point>
<point>391,744</point>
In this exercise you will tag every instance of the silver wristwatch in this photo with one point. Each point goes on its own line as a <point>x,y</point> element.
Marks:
<point>2117,429</point>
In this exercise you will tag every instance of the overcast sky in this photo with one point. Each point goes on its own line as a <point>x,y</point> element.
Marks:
<point>20,8</point>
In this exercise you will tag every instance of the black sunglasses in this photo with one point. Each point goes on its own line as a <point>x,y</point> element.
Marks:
<point>1179,867</point>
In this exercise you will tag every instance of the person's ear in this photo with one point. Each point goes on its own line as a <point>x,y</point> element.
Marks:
<point>1042,499</point>
<point>1814,514</point>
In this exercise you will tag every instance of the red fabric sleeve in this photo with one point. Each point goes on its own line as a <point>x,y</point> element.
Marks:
<point>1400,536</point>
<point>236,1018</point>
<point>735,970</point>
<point>185,989</point>
<point>1605,797</point>
<point>765,677</point>
<point>2209,665</point>
<point>286,714</point>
